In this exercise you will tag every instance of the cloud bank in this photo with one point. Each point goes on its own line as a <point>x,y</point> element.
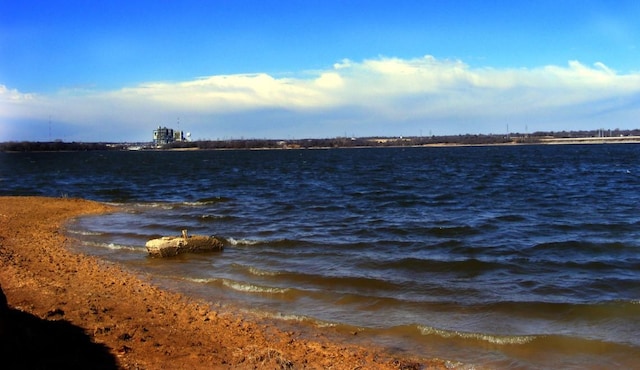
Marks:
<point>381,96</point>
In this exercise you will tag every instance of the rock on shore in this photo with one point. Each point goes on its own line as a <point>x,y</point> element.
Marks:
<point>169,246</point>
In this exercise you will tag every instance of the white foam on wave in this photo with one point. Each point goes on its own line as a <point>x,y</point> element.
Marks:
<point>160,205</point>
<point>259,272</point>
<point>298,318</point>
<point>494,339</point>
<point>250,288</point>
<point>199,280</point>
<point>194,204</point>
<point>289,317</point>
<point>84,232</point>
<point>115,204</point>
<point>114,246</point>
<point>211,217</point>
<point>236,242</point>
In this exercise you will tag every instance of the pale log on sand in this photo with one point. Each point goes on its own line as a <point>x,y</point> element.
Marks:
<point>169,246</point>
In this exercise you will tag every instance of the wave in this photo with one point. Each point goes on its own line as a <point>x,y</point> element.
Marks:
<point>243,242</point>
<point>251,288</point>
<point>582,247</point>
<point>351,285</point>
<point>212,200</point>
<point>511,218</point>
<point>565,312</point>
<point>434,231</point>
<point>490,338</point>
<point>236,285</point>
<point>469,266</point>
<point>340,290</point>
<point>112,246</point>
<point>173,205</point>
<point>452,231</point>
<point>534,351</point>
<point>248,287</point>
<point>279,243</point>
<point>84,232</point>
<point>555,341</point>
<point>296,318</point>
<point>199,280</point>
<point>209,217</point>
<point>115,204</point>
<point>160,205</point>
<point>259,272</point>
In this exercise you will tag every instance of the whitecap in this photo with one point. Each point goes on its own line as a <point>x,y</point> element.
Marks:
<point>259,272</point>
<point>250,288</point>
<point>211,217</point>
<point>236,242</point>
<point>194,204</point>
<point>84,232</point>
<point>113,246</point>
<point>160,205</point>
<point>298,318</point>
<point>289,317</point>
<point>199,280</point>
<point>494,339</point>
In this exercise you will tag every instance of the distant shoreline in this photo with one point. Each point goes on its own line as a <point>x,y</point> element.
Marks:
<point>546,141</point>
<point>336,143</point>
<point>593,140</point>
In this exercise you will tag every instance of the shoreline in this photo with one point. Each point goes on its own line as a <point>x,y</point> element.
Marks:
<point>516,141</point>
<point>123,321</point>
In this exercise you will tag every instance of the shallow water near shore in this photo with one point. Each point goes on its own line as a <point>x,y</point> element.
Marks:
<point>515,256</point>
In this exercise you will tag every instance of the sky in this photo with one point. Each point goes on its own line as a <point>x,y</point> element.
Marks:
<point>113,71</point>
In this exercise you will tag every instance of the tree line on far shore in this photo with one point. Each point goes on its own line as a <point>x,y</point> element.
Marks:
<point>55,146</point>
<point>337,142</point>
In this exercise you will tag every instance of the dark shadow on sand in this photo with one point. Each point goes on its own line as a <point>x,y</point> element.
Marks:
<point>29,342</point>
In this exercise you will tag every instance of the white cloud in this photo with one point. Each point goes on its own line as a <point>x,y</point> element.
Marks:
<point>329,80</point>
<point>14,103</point>
<point>13,95</point>
<point>376,96</point>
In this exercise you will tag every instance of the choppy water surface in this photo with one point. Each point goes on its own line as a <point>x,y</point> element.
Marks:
<point>519,257</point>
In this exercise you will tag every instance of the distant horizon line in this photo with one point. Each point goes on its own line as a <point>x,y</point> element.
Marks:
<point>572,134</point>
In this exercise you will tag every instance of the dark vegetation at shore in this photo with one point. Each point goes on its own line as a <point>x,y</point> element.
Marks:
<point>56,146</point>
<point>337,142</point>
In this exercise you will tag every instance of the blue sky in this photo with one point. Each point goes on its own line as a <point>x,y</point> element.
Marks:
<point>115,70</point>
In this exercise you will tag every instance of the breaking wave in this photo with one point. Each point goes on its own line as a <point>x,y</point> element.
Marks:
<point>494,339</point>
<point>251,288</point>
<point>113,246</point>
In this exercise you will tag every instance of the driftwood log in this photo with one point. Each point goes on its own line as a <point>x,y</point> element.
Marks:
<point>169,246</point>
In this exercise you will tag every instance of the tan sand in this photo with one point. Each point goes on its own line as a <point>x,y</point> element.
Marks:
<point>68,310</point>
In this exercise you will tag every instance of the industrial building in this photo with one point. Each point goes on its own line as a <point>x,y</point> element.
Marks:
<point>164,135</point>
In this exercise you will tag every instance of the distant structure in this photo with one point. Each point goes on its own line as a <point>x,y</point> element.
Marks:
<point>164,135</point>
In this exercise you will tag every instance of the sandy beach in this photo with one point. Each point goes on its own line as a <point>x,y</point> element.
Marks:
<point>68,310</point>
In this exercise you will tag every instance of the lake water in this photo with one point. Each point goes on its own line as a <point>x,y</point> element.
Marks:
<point>504,256</point>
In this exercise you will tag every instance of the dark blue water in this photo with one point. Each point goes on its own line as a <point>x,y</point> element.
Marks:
<point>518,256</point>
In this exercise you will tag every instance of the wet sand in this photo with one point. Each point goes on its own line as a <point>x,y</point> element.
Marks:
<point>69,310</point>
